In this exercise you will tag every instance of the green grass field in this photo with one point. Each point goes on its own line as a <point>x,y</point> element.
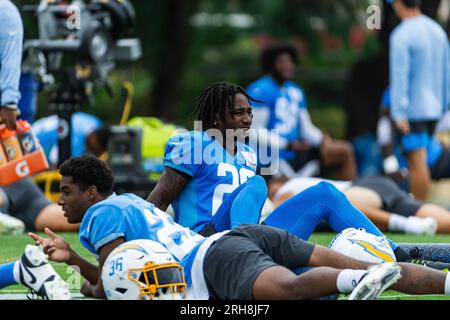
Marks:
<point>11,248</point>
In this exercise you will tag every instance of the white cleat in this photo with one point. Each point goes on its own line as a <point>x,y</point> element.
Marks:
<point>10,225</point>
<point>37,274</point>
<point>416,225</point>
<point>377,279</point>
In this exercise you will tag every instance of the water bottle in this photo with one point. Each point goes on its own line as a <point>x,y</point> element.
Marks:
<point>3,158</point>
<point>11,144</point>
<point>27,139</point>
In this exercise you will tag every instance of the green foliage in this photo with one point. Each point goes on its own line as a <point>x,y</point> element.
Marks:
<point>222,52</point>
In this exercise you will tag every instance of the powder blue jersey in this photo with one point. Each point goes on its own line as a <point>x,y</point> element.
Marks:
<point>132,218</point>
<point>283,103</point>
<point>214,173</point>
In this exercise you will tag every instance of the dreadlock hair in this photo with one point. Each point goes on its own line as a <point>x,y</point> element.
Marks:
<point>88,171</point>
<point>270,53</point>
<point>215,100</point>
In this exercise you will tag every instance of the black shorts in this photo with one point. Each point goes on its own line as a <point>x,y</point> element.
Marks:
<point>441,169</point>
<point>235,260</point>
<point>394,199</point>
<point>302,158</point>
<point>23,200</point>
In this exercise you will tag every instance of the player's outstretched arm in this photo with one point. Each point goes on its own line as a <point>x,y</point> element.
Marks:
<point>95,289</point>
<point>58,250</point>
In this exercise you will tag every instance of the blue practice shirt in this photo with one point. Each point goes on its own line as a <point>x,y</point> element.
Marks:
<point>419,70</point>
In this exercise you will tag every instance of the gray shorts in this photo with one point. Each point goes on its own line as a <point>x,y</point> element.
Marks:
<point>394,199</point>
<point>235,260</point>
<point>23,200</point>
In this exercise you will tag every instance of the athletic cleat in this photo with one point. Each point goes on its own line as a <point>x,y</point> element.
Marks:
<point>377,279</point>
<point>10,225</point>
<point>416,253</point>
<point>36,273</point>
<point>442,266</point>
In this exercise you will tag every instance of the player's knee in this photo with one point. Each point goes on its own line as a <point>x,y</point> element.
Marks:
<point>326,189</point>
<point>258,185</point>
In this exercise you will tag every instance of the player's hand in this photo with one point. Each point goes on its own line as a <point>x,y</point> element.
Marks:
<point>298,146</point>
<point>54,246</point>
<point>403,126</point>
<point>8,117</point>
<point>87,289</point>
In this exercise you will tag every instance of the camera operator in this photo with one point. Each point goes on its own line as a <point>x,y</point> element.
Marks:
<point>11,39</point>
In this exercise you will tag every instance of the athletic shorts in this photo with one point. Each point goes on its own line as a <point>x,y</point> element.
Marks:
<point>419,136</point>
<point>23,200</point>
<point>441,169</point>
<point>235,260</point>
<point>302,158</point>
<point>394,199</point>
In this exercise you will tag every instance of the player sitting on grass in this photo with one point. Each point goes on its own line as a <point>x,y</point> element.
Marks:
<point>264,254</point>
<point>216,191</point>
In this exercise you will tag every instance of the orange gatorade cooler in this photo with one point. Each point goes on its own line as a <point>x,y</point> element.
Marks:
<point>20,164</point>
<point>11,144</point>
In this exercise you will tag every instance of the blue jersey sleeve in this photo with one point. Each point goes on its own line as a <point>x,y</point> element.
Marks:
<point>184,153</point>
<point>104,224</point>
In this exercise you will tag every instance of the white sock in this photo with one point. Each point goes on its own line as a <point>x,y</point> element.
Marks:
<point>16,273</point>
<point>396,222</point>
<point>348,279</point>
<point>447,284</point>
<point>416,225</point>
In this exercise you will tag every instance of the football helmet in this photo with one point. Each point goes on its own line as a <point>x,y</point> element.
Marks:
<point>142,270</point>
<point>361,245</point>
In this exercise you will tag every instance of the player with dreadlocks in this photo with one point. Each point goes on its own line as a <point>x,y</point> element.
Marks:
<point>210,178</point>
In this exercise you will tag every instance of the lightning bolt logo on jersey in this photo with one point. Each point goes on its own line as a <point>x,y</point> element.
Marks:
<point>215,175</point>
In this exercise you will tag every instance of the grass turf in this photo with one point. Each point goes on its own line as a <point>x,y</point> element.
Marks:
<point>11,248</point>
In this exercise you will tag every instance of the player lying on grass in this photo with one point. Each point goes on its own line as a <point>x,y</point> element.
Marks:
<point>379,198</point>
<point>215,191</point>
<point>23,200</point>
<point>265,255</point>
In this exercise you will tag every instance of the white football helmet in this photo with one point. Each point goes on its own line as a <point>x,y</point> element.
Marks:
<point>361,245</point>
<point>142,270</point>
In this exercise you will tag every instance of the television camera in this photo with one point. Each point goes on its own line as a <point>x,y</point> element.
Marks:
<point>78,44</point>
